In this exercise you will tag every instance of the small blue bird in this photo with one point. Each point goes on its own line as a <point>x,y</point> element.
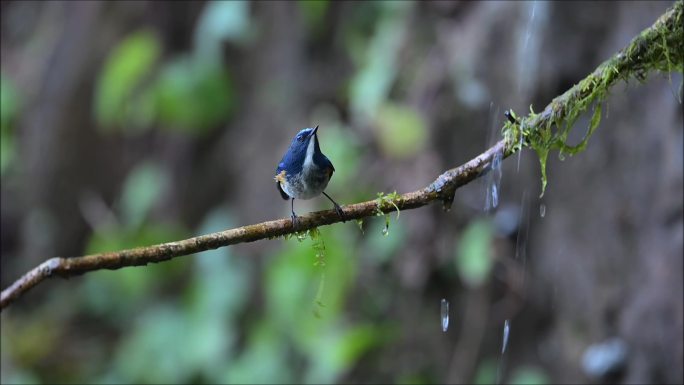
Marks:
<point>304,172</point>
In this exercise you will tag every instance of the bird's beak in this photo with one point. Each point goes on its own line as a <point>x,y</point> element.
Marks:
<point>314,131</point>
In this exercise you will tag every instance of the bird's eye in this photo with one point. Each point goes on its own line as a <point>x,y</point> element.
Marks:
<point>300,138</point>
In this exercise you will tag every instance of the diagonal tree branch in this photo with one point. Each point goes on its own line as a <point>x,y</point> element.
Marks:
<point>659,47</point>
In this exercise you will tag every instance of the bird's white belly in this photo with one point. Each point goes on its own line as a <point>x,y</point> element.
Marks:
<point>308,184</point>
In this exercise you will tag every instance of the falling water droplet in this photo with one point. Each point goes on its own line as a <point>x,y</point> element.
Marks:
<point>493,182</point>
<point>444,311</point>
<point>385,230</point>
<point>542,210</point>
<point>600,360</point>
<point>517,170</point>
<point>506,330</point>
<point>446,204</point>
<point>447,201</point>
<point>359,222</point>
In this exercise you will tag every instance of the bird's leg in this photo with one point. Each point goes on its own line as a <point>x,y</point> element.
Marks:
<point>294,216</point>
<point>337,207</point>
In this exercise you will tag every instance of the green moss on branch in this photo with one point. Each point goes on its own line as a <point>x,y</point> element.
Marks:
<point>658,48</point>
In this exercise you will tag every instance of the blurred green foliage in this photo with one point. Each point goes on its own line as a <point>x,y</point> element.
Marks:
<point>343,146</point>
<point>145,186</point>
<point>128,65</point>
<point>216,317</point>
<point>314,12</point>
<point>486,372</point>
<point>192,96</point>
<point>191,92</point>
<point>9,107</point>
<point>528,375</point>
<point>489,369</point>
<point>377,60</point>
<point>329,342</point>
<point>474,258</point>
<point>402,132</point>
<point>222,21</point>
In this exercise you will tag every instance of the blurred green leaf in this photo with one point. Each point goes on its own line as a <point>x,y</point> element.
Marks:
<point>219,21</point>
<point>413,379</point>
<point>341,146</point>
<point>330,344</point>
<point>155,351</point>
<point>473,253</point>
<point>339,348</point>
<point>9,106</point>
<point>371,85</point>
<point>293,282</point>
<point>221,278</point>
<point>143,188</point>
<point>529,376</point>
<point>291,285</point>
<point>194,336</point>
<point>219,291</point>
<point>125,69</point>
<point>18,376</point>
<point>31,340</point>
<point>116,293</point>
<point>401,131</point>
<point>486,372</point>
<point>193,97</point>
<point>381,249</point>
<point>356,342</point>
<point>263,360</point>
<point>111,239</point>
<point>314,12</point>
<point>9,103</point>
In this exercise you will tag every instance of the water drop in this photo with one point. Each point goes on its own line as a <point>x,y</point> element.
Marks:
<point>493,182</point>
<point>517,170</point>
<point>359,222</point>
<point>444,311</point>
<point>601,360</point>
<point>506,330</point>
<point>542,210</point>
<point>446,204</point>
<point>385,230</point>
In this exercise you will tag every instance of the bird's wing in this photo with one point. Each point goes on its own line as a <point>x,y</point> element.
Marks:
<point>282,193</point>
<point>331,168</point>
<point>280,178</point>
<point>328,166</point>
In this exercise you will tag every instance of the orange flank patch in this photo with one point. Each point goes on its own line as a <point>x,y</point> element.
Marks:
<point>280,177</point>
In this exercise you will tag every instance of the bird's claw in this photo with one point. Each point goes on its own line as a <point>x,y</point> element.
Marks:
<point>295,220</point>
<point>339,211</point>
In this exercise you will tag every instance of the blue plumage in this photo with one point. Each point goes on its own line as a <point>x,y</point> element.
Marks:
<point>304,171</point>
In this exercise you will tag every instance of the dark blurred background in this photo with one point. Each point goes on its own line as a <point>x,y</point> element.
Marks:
<point>131,123</point>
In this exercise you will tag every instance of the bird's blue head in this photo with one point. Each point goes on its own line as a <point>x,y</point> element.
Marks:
<point>304,150</point>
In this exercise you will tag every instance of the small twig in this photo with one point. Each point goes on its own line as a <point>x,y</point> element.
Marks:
<point>631,61</point>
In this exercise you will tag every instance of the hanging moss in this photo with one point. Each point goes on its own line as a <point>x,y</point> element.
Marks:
<point>385,202</point>
<point>659,48</point>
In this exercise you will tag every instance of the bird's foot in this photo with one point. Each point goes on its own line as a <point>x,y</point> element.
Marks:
<point>339,211</point>
<point>295,220</point>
